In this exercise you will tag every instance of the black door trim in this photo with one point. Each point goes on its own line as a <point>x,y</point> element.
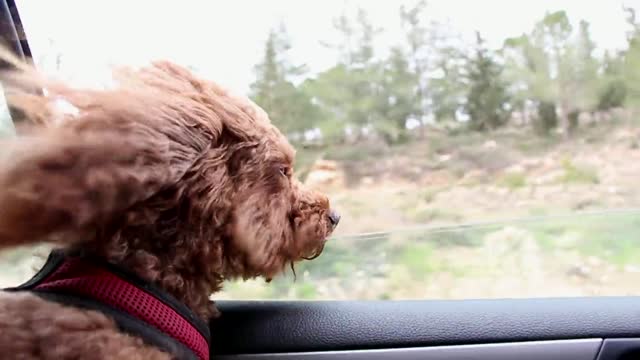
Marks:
<point>279,326</point>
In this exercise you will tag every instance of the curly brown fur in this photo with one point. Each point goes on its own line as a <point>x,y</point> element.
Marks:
<point>33,328</point>
<point>167,175</point>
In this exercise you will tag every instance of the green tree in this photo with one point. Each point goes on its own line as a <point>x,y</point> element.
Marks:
<point>366,33</point>
<point>396,97</point>
<point>487,103</point>
<point>612,90</point>
<point>527,70</point>
<point>554,65</point>
<point>546,117</point>
<point>447,83</point>
<point>583,66</point>
<point>553,34</point>
<point>349,93</point>
<point>356,47</point>
<point>437,63</point>
<point>289,107</point>
<point>631,61</point>
<point>346,99</point>
<point>417,35</point>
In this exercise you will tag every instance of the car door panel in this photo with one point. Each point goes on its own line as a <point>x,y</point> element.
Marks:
<point>585,349</point>
<point>303,327</point>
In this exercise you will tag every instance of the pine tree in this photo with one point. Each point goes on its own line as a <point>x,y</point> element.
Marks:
<point>585,70</point>
<point>348,93</point>
<point>612,91</point>
<point>631,67</point>
<point>487,102</point>
<point>397,97</point>
<point>417,36</point>
<point>287,105</point>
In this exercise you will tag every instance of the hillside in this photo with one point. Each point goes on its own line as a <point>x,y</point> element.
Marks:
<point>502,214</point>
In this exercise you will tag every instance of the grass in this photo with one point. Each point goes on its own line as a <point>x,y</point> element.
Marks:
<point>425,215</point>
<point>615,237</point>
<point>575,174</point>
<point>421,254</point>
<point>448,238</point>
<point>305,290</point>
<point>429,194</point>
<point>513,181</point>
<point>410,202</point>
<point>343,269</point>
<point>488,159</point>
<point>535,145</point>
<point>418,258</point>
<point>538,211</point>
<point>251,289</point>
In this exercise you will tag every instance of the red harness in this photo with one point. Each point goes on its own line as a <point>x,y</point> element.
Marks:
<point>138,308</point>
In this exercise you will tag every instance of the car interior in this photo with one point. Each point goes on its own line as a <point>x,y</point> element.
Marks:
<point>585,328</point>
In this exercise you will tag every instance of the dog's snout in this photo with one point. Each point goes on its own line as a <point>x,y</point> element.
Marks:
<point>334,217</point>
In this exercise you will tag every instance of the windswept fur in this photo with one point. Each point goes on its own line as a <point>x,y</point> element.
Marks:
<point>166,174</point>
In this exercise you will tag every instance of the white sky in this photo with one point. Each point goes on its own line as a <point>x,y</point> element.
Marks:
<point>224,39</point>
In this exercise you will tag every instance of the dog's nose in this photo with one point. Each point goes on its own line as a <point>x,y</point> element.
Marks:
<point>334,218</point>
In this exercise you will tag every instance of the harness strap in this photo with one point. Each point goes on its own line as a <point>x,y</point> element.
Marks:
<point>126,323</point>
<point>138,308</point>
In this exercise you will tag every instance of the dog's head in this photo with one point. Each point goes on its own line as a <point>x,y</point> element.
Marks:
<point>239,184</point>
<point>166,164</point>
<point>274,220</point>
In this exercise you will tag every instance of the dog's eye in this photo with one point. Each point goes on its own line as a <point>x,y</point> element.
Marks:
<point>284,171</point>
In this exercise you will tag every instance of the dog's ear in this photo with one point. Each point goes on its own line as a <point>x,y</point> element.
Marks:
<point>260,234</point>
<point>123,146</point>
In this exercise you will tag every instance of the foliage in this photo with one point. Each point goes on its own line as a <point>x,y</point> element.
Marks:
<point>396,98</point>
<point>612,90</point>
<point>487,102</point>
<point>579,174</point>
<point>288,106</point>
<point>583,71</point>
<point>417,40</point>
<point>447,84</point>
<point>631,61</point>
<point>553,65</point>
<point>612,95</point>
<point>546,118</point>
<point>348,92</point>
<point>418,258</point>
<point>548,76</point>
<point>513,180</point>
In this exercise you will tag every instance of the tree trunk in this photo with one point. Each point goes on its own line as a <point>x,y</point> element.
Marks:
<point>564,120</point>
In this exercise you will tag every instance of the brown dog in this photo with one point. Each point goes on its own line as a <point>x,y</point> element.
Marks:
<point>166,176</point>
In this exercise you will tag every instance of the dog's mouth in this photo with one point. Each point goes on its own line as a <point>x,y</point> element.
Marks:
<point>315,252</point>
<point>311,246</point>
<point>311,255</point>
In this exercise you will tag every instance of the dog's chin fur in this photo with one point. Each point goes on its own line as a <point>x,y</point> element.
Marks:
<point>166,175</point>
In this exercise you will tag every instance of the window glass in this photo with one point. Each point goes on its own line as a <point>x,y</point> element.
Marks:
<point>6,124</point>
<point>475,149</point>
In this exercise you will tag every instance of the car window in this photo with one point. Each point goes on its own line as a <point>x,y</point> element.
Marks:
<point>475,149</point>
<point>6,123</point>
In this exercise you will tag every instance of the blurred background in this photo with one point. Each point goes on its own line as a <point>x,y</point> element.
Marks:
<point>475,149</point>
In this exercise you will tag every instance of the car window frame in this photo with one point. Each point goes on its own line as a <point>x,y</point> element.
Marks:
<point>14,39</point>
